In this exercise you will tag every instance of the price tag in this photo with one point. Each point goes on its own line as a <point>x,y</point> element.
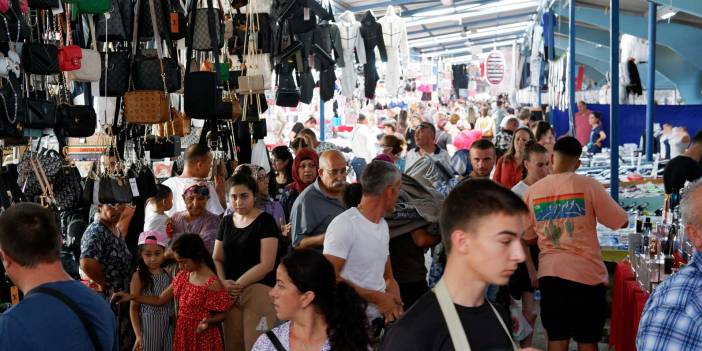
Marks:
<point>307,16</point>
<point>174,22</point>
<point>14,295</point>
<point>135,188</point>
<point>96,191</point>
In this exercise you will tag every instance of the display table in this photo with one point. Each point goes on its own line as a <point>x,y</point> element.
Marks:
<point>628,301</point>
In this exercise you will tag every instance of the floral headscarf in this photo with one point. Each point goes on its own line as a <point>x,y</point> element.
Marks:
<point>303,154</point>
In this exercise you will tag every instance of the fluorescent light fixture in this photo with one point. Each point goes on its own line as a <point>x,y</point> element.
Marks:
<point>666,13</point>
<point>453,37</point>
<point>492,10</point>
<point>471,50</point>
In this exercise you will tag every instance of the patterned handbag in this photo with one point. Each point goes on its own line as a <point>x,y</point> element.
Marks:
<point>117,24</point>
<point>114,78</point>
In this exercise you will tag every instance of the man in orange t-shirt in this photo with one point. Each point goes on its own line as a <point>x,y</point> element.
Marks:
<point>564,211</point>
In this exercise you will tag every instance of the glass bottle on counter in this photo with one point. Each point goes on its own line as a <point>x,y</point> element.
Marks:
<point>669,248</point>
<point>647,229</point>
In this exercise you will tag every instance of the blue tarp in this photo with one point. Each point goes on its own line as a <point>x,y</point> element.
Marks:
<point>632,123</point>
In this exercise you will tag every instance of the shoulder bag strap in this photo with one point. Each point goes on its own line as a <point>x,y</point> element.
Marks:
<point>89,327</point>
<point>456,331</point>
<point>274,340</point>
<point>504,326</point>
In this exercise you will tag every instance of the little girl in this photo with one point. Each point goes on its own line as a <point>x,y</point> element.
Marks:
<point>153,325</point>
<point>155,215</point>
<point>201,297</point>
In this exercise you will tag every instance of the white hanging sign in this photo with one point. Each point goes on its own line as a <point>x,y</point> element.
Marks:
<point>495,68</point>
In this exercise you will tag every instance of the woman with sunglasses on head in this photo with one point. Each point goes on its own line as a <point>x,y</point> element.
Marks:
<point>196,218</point>
<point>106,260</point>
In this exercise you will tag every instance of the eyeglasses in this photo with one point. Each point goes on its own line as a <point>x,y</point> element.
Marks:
<point>338,172</point>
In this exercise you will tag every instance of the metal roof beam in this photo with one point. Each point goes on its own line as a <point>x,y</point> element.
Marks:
<point>382,4</point>
<point>480,24</point>
<point>693,7</point>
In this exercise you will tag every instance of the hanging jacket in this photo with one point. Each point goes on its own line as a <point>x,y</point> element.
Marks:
<point>634,86</point>
<point>328,38</point>
<point>372,33</point>
<point>302,14</point>
<point>395,39</point>
<point>352,45</point>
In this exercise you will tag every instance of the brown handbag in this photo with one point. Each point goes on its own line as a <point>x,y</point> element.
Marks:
<point>179,126</point>
<point>148,106</point>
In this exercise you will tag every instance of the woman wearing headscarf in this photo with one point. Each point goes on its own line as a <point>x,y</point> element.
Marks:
<point>304,172</point>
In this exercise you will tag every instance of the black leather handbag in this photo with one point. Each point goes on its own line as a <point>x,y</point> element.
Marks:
<point>40,59</point>
<point>256,130</point>
<point>10,192</point>
<point>77,121</point>
<point>287,94</point>
<point>114,80</point>
<point>200,94</point>
<point>145,180</point>
<point>37,113</point>
<point>114,190</point>
<point>146,32</point>
<point>254,105</point>
<point>160,148</point>
<point>119,22</point>
<point>43,4</point>
<point>147,74</point>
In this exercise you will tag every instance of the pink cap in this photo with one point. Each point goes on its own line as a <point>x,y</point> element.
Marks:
<point>153,237</point>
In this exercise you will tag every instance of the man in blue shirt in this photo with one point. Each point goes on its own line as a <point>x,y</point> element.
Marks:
<point>671,318</point>
<point>48,317</point>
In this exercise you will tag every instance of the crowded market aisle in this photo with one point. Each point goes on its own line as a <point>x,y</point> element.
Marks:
<point>251,175</point>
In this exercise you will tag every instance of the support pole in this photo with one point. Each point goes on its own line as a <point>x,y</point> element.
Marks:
<point>614,105</point>
<point>540,86</point>
<point>651,85</point>
<point>571,69</point>
<point>322,132</point>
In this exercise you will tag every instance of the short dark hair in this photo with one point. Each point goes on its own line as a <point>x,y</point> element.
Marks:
<point>597,115</point>
<point>196,152</point>
<point>29,234</point>
<point>697,138</point>
<point>568,146</point>
<point>352,195</point>
<point>542,128</point>
<point>361,117</point>
<point>482,144</point>
<point>499,102</point>
<point>510,111</point>
<point>532,147</point>
<point>472,200</point>
<point>245,179</point>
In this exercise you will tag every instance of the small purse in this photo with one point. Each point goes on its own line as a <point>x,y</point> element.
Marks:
<point>77,121</point>
<point>160,148</point>
<point>114,78</point>
<point>69,58</point>
<point>90,63</point>
<point>180,125</point>
<point>114,189</point>
<point>202,40</point>
<point>38,58</point>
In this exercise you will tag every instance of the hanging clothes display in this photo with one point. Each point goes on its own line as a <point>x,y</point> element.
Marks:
<point>372,33</point>
<point>633,48</point>
<point>460,79</point>
<point>634,86</point>
<point>351,42</point>
<point>395,38</point>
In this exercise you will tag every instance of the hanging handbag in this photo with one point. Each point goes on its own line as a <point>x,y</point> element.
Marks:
<point>147,73</point>
<point>68,188</point>
<point>77,121</point>
<point>117,24</point>
<point>9,100</point>
<point>38,58</point>
<point>114,78</point>
<point>94,6</point>
<point>200,93</point>
<point>180,125</point>
<point>37,113</point>
<point>90,64</point>
<point>69,58</point>
<point>114,189</point>
<point>202,40</point>
<point>146,32</point>
<point>44,4</point>
<point>13,26</point>
<point>178,21</point>
<point>160,148</point>
<point>148,106</point>
<point>8,64</point>
<point>145,180</point>
<point>51,162</point>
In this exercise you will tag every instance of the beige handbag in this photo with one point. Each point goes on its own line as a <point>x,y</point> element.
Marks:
<point>90,64</point>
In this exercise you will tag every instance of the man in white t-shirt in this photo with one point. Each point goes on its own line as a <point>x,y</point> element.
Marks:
<point>363,141</point>
<point>357,242</point>
<point>198,163</point>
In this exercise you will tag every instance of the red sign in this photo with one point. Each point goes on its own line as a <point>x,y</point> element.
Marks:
<point>495,68</point>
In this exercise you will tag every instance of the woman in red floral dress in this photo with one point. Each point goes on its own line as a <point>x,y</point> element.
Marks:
<point>201,298</point>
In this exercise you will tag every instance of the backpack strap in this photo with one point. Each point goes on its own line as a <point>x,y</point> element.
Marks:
<point>89,327</point>
<point>274,340</point>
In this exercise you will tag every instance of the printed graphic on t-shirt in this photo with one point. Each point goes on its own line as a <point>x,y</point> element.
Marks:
<point>559,211</point>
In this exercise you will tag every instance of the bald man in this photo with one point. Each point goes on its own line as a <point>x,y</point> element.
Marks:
<point>319,203</point>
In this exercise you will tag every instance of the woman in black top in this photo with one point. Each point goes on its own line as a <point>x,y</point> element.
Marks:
<point>282,161</point>
<point>246,254</point>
